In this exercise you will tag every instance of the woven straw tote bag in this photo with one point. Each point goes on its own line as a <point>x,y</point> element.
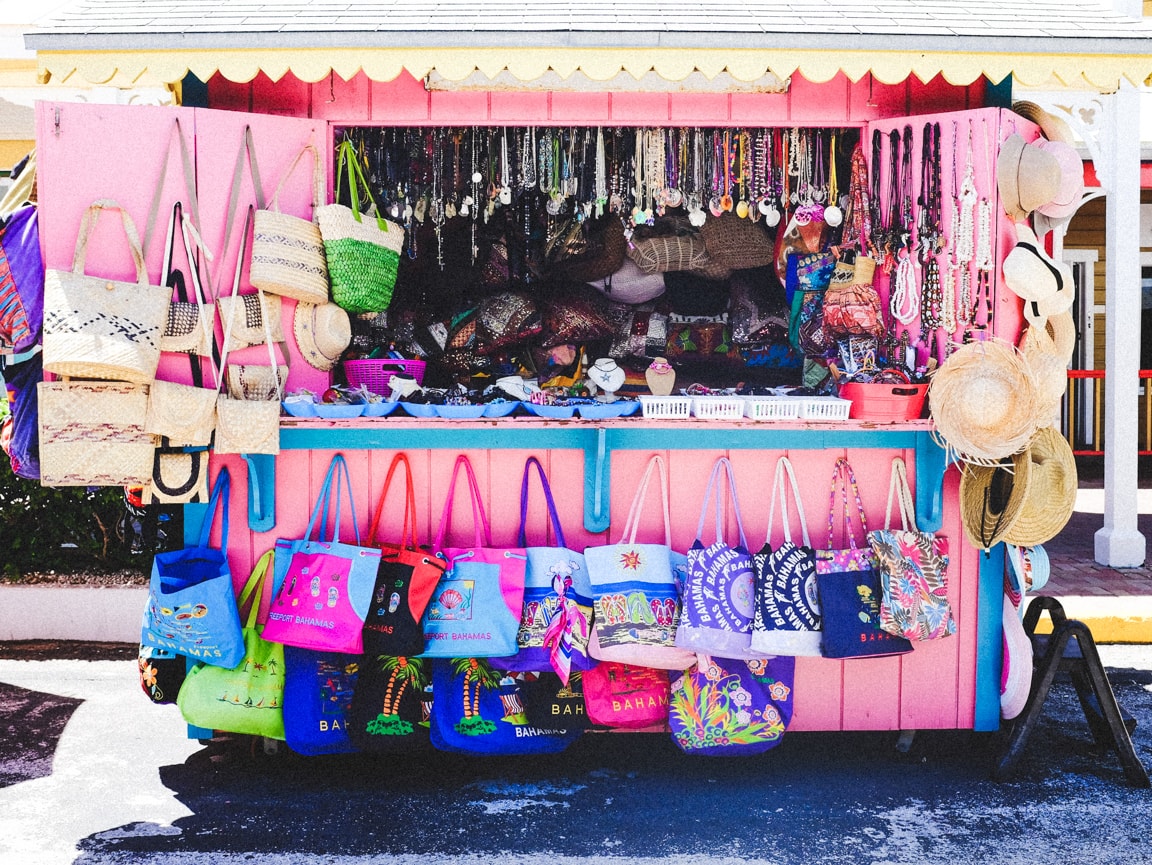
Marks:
<point>287,251</point>
<point>664,254</point>
<point>103,328</point>
<point>363,254</point>
<point>92,434</point>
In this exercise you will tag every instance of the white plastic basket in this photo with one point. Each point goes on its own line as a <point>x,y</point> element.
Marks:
<point>718,407</point>
<point>824,408</point>
<point>772,408</point>
<point>666,407</point>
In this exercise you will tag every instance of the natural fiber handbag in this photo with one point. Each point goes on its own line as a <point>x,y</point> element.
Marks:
<point>103,328</point>
<point>287,251</point>
<point>602,255</point>
<point>363,255</point>
<point>243,320</point>
<point>177,478</point>
<point>738,243</point>
<point>184,414</point>
<point>191,321</point>
<point>257,383</point>
<point>247,427</point>
<point>92,434</point>
<point>664,254</point>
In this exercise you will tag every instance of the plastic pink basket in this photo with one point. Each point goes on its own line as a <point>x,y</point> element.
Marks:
<point>376,374</point>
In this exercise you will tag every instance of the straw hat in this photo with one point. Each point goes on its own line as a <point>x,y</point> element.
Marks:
<point>984,401</point>
<point>1062,329</point>
<point>323,331</point>
<point>1016,670</point>
<point>1051,127</point>
<point>1039,311</point>
<point>1051,491</point>
<point>1026,176</point>
<point>1029,271</point>
<point>1048,367</point>
<point>992,498</point>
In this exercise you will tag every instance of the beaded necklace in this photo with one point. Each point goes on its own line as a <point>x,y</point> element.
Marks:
<point>905,301</point>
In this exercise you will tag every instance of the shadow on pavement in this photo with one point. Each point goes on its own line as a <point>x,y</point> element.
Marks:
<point>32,724</point>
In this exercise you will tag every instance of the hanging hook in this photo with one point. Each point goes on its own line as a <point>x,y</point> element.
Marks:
<point>331,89</point>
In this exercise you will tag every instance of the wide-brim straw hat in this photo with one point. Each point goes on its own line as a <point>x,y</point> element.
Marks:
<point>1051,127</point>
<point>1050,497</point>
<point>1026,176</point>
<point>1029,272</point>
<point>1049,368</point>
<point>984,402</point>
<point>323,331</point>
<point>992,499</point>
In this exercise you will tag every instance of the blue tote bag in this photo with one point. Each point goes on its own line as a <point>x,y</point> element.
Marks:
<point>318,690</point>
<point>478,709</point>
<point>719,589</point>
<point>557,617</point>
<point>191,603</point>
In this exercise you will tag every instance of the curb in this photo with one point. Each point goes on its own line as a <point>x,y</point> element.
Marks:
<point>106,614</point>
<point>1111,619</point>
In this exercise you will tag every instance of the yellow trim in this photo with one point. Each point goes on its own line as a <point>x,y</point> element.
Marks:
<point>12,152</point>
<point>18,73</point>
<point>131,68</point>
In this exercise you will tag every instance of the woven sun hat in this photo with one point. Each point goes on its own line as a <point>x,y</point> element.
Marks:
<point>1062,329</point>
<point>1051,127</point>
<point>1050,496</point>
<point>984,403</point>
<point>1049,368</point>
<point>1037,312</point>
<point>1026,176</point>
<point>1067,199</point>
<point>992,498</point>
<point>323,331</point>
<point>1029,271</point>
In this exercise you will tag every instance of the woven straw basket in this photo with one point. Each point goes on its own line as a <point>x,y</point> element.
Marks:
<point>92,434</point>
<point>185,414</point>
<point>243,321</point>
<point>664,254</point>
<point>738,243</point>
<point>287,251</point>
<point>102,328</point>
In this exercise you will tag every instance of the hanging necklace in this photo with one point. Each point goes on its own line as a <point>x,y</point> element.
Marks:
<point>696,215</point>
<point>983,255</point>
<point>948,287</point>
<point>905,301</point>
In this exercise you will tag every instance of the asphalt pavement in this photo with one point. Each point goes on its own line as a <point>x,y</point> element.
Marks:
<point>91,772</point>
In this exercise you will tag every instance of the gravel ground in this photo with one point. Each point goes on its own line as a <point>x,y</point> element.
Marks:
<point>84,578</point>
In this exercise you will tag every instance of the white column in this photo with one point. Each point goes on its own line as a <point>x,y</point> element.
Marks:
<point>1119,544</point>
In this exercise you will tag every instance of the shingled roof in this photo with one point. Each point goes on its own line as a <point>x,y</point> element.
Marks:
<point>776,32</point>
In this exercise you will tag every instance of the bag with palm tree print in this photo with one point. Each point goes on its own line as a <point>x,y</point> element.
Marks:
<point>479,710</point>
<point>391,704</point>
<point>722,707</point>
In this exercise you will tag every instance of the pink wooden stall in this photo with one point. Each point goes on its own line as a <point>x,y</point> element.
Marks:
<point>86,152</point>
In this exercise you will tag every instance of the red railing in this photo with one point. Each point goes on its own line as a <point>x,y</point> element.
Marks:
<point>1087,385</point>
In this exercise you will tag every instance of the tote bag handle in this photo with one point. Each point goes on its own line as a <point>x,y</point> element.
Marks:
<point>349,161</point>
<point>479,518</point>
<point>408,531</point>
<point>317,179</point>
<point>714,483</point>
<point>337,469</point>
<point>780,488</point>
<point>219,498</point>
<point>88,222</point>
<point>630,527</point>
<point>254,590</point>
<point>842,477</point>
<point>898,489</point>
<point>521,539</point>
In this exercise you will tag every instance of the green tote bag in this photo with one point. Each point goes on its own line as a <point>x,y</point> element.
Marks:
<point>250,697</point>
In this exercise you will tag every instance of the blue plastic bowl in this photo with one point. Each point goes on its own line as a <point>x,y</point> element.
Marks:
<point>299,408</point>
<point>601,411</point>
<point>629,408</point>
<point>379,409</point>
<point>556,412</point>
<point>419,409</point>
<point>501,409</point>
<point>326,410</point>
<point>460,411</point>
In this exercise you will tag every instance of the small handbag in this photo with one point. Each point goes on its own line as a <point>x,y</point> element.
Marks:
<point>668,253</point>
<point>849,585</point>
<point>722,707</point>
<point>323,587</point>
<point>634,586</point>
<point>787,619</point>
<point>178,477</point>
<point>626,696</point>
<point>913,570</point>
<point>363,254</point>
<point>476,606</point>
<point>249,698</point>
<point>851,305</point>
<point>738,243</point>
<point>405,579</point>
<point>103,328</point>
<point>191,321</point>
<point>557,613</point>
<point>244,317</point>
<point>191,607</point>
<point>719,587</point>
<point>287,251</point>
<point>162,673</point>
